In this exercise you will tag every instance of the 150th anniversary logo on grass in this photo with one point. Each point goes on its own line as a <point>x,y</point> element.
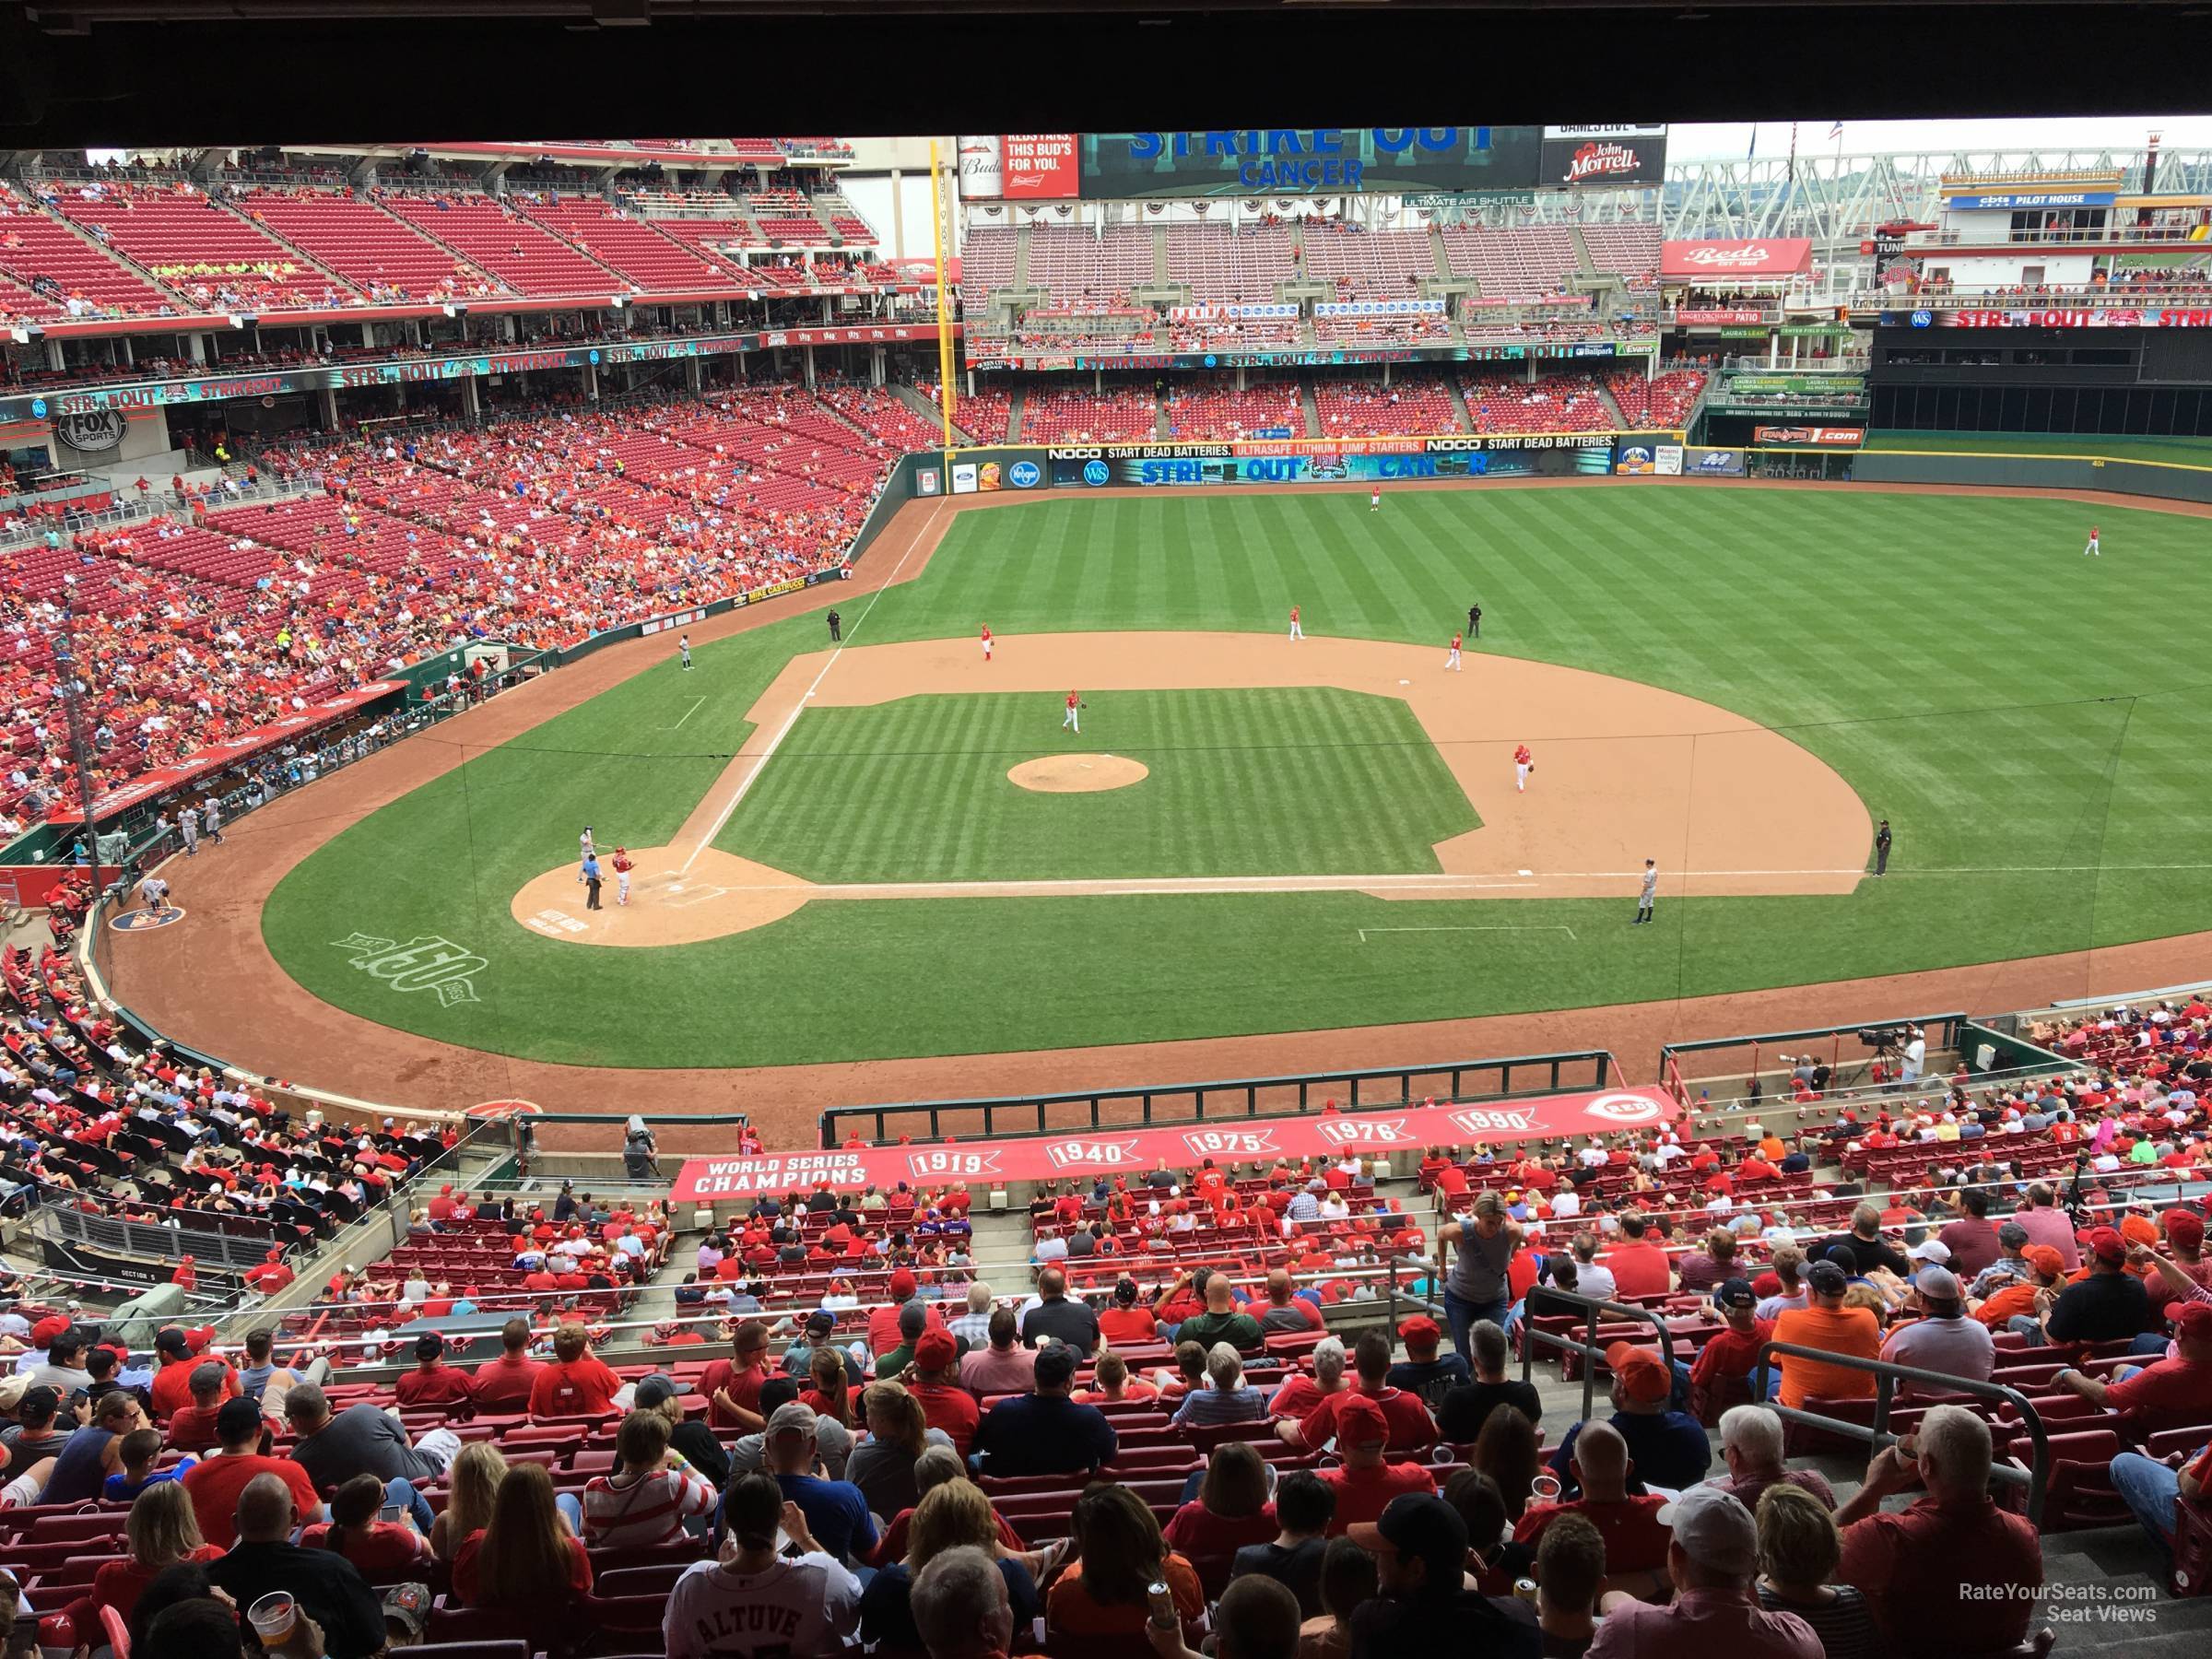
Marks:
<point>424,964</point>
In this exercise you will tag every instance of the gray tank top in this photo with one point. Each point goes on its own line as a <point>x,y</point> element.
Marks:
<point>1478,1265</point>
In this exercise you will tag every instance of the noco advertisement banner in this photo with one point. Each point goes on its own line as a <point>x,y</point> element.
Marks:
<point>1602,155</point>
<point>1311,161</point>
<point>1323,461</point>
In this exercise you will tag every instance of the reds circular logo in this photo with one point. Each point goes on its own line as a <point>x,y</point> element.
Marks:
<point>1623,1109</point>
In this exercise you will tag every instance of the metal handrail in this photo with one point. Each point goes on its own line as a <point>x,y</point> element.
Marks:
<point>1877,1435</point>
<point>1592,1306</point>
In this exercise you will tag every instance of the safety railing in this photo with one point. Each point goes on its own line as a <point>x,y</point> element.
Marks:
<point>1941,1031</point>
<point>1887,1376</point>
<point>1009,1117</point>
<point>1594,1309</point>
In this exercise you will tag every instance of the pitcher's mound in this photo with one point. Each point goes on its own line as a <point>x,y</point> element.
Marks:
<point>668,904</point>
<point>1077,774</point>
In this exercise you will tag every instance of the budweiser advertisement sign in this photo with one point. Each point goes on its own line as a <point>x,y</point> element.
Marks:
<point>1809,437</point>
<point>1397,1132</point>
<point>1598,156</point>
<point>1765,256</point>
<point>1719,316</point>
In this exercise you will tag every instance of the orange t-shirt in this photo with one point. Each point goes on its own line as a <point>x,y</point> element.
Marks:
<point>1852,1331</point>
<point>2012,1301</point>
<point>1071,1610</point>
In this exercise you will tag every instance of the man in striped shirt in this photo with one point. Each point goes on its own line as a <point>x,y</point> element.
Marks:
<point>648,1497</point>
<point>973,1327</point>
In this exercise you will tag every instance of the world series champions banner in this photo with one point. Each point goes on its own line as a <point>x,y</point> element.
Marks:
<point>1395,1133</point>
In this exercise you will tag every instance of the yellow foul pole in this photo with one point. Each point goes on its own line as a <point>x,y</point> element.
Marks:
<point>936,221</point>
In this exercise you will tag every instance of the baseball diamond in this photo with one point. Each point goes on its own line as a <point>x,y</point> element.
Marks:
<point>1732,679</point>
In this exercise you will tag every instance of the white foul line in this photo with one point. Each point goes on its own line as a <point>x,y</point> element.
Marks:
<point>746,782</point>
<point>688,713</point>
<point>1496,927</point>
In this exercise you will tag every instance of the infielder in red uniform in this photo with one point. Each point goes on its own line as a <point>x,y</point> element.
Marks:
<point>1452,661</point>
<point>1296,631</point>
<point>624,864</point>
<point>1523,763</point>
<point>1075,705</point>
<point>986,641</point>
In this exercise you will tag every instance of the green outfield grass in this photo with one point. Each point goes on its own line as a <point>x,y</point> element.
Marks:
<point>2029,720</point>
<point>1282,780</point>
<point>2178,452</point>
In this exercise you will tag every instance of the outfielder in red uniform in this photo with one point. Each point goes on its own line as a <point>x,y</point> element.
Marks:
<point>1523,763</point>
<point>624,864</point>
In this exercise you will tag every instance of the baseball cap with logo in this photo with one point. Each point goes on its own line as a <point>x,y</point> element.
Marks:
<point>1736,1293</point>
<point>2044,1259</point>
<point>1714,1529</point>
<point>1360,1422</point>
<point>2105,1243</point>
<point>408,1607</point>
<point>1641,1374</point>
<point>1825,1278</point>
<point>935,1349</point>
<point>2191,1321</point>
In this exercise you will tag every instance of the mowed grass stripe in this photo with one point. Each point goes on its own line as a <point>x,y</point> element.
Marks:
<point>1273,781</point>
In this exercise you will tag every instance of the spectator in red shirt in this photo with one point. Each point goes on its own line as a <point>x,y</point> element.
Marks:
<point>1231,1510</point>
<point>432,1382</point>
<point>1636,1539</point>
<point>1127,1321</point>
<point>1411,1424</point>
<point>384,1551</point>
<point>504,1384</point>
<point>933,1380</point>
<point>578,1384</point>
<point>1730,1356</point>
<point>1640,1265</point>
<point>1300,1392</point>
<point>733,1385</point>
<point>1365,1481</point>
<point>2174,1393</point>
<point>171,1390</point>
<point>271,1276</point>
<point>1951,1573</point>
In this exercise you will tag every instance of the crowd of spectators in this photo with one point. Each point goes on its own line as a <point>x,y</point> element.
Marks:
<point>845,1435</point>
<point>203,623</point>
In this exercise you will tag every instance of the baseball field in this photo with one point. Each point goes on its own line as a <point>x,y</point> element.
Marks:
<point>889,848</point>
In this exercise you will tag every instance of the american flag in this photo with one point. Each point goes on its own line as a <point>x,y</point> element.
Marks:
<point>1836,131</point>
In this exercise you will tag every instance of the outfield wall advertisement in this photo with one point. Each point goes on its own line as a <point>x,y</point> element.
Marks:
<point>1328,460</point>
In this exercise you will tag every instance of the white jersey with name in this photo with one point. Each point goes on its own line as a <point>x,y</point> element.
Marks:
<point>800,1607</point>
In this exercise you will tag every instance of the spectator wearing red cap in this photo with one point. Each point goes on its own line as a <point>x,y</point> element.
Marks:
<point>270,1275</point>
<point>1951,1573</point>
<point>1668,1448</point>
<point>1423,1372</point>
<point>171,1389</point>
<point>185,1277</point>
<point>1365,1480</point>
<point>2185,1244</point>
<point>2109,1305</point>
<point>934,1379</point>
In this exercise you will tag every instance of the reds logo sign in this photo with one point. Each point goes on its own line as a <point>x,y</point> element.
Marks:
<point>1623,1109</point>
<point>425,963</point>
